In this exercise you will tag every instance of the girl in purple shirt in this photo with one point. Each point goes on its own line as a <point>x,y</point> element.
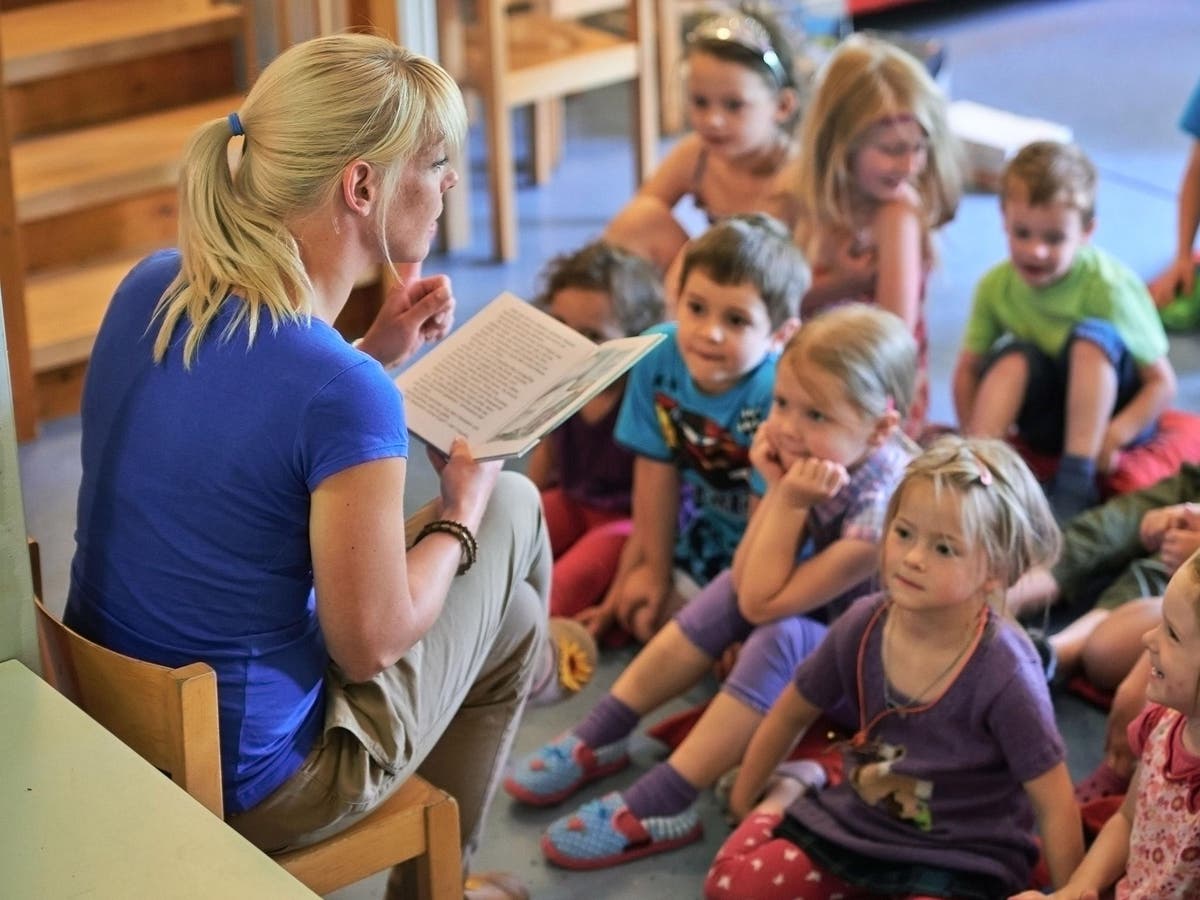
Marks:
<point>956,753</point>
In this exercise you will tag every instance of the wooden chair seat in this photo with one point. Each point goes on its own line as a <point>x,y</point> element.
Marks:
<point>169,717</point>
<point>515,58</point>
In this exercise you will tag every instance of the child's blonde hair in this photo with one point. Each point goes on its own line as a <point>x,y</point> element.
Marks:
<point>864,81</point>
<point>752,248</point>
<point>867,349</point>
<point>1004,510</point>
<point>632,284</point>
<point>1053,172</point>
<point>317,107</point>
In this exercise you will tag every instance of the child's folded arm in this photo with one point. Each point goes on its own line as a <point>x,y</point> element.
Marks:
<point>765,556</point>
<point>814,582</point>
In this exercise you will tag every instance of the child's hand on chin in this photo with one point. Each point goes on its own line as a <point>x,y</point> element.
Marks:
<point>810,481</point>
<point>765,457</point>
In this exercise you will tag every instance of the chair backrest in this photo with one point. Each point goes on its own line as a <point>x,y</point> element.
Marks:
<point>166,716</point>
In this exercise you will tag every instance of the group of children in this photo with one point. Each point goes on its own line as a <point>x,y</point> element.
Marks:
<point>755,485</point>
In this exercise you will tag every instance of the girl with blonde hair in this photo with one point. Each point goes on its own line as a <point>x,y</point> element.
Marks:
<point>244,466</point>
<point>879,172</point>
<point>955,755</point>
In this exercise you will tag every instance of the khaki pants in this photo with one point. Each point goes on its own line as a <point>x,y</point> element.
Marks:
<point>448,710</point>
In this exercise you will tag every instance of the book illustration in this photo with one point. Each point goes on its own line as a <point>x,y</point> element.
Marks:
<point>548,410</point>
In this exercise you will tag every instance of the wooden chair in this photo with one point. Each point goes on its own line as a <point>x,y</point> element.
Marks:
<point>521,56</point>
<point>169,717</point>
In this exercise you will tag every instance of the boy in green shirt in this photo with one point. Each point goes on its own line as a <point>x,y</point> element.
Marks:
<point>1063,343</point>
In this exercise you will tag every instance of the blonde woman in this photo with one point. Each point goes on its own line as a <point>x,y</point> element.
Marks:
<point>244,466</point>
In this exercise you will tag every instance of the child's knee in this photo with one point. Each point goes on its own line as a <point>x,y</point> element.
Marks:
<point>1011,365</point>
<point>1095,343</point>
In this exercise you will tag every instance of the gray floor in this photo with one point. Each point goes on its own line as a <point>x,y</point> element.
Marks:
<point>1116,71</point>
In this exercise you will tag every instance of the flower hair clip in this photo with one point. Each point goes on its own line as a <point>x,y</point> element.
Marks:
<point>985,474</point>
<point>746,32</point>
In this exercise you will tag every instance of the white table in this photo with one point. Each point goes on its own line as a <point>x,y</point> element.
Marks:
<point>82,815</point>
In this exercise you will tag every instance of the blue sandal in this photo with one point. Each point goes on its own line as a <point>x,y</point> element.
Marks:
<point>605,833</point>
<point>557,770</point>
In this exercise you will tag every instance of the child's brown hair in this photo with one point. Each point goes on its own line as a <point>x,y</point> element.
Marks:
<point>1053,172</point>
<point>631,283</point>
<point>757,249</point>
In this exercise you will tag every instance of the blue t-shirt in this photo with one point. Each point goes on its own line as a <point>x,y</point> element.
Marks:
<point>666,417</point>
<point>192,534</point>
<point>1190,120</point>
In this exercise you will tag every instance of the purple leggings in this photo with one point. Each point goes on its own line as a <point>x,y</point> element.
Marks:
<point>770,652</point>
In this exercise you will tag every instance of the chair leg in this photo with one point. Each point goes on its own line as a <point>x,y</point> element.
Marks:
<point>439,871</point>
<point>546,137</point>
<point>645,97</point>
<point>500,172</point>
<point>670,54</point>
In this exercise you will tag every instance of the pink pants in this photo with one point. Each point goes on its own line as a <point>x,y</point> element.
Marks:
<point>752,864</point>
<point>586,543</point>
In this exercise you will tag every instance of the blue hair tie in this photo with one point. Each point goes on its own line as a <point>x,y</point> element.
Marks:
<point>235,124</point>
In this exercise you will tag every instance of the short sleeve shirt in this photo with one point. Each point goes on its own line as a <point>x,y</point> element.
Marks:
<point>1164,845</point>
<point>1097,287</point>
<point>666,417</point>
<point>943,786</point>
<point>192,537</point>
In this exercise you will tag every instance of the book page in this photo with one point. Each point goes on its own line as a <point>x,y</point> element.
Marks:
<point>496,363</point>
<point>564,398</point>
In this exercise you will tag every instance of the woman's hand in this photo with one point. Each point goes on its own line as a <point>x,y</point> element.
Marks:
<point>414,314</point>
<point>466,483</point>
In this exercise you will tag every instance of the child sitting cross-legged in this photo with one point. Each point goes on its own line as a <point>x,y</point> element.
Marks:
<point>829,455</point>
<point>584,475</point>
<point>1063,341</point>
<point>690,410</point>
<point>1149,848</point>
<point>956,753</point>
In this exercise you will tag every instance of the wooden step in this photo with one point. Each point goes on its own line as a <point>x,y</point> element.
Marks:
<point>56,38</point>
<point>77,169</point>
<point>64,308</point>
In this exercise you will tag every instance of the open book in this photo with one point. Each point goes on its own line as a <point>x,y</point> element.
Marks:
<point>507,377</point>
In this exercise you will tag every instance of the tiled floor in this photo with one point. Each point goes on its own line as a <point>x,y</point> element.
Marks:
<point>1117,72</point>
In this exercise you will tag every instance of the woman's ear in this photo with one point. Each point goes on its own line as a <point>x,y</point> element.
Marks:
<point>359,186</point>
